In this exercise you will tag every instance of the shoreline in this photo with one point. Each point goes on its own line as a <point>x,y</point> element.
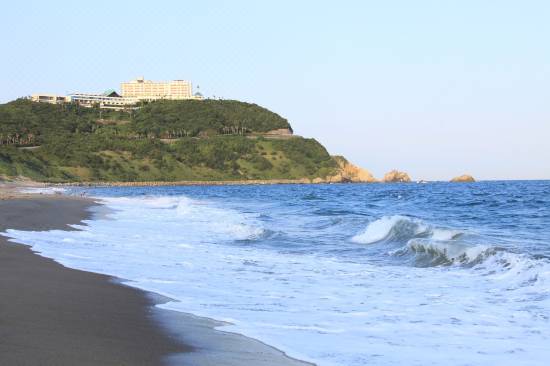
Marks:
<point>11,188</point>
<point>198,183</point>
<point>86,318</point>
<point>53,315</point>
<point>34,184</point>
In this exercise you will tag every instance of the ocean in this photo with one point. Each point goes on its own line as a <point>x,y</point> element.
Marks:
<point>358,274</point>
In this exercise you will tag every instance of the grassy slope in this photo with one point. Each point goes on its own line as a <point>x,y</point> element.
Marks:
<point>76,145</point>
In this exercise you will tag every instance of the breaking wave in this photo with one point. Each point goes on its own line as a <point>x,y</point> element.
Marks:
<point>430,252</point>
<point>424,245</point>
<point>401,228</point>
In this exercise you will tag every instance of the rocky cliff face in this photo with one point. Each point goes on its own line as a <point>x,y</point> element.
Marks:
<point>396,176</point>
<point>465,178</point>
<point>350,173</point>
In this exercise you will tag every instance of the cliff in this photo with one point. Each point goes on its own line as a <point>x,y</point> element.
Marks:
<point>347,172</point>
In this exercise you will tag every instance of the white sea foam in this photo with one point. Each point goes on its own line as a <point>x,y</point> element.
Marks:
<point>444,234</point>
<point>320,308</point>
<point>44,190</point>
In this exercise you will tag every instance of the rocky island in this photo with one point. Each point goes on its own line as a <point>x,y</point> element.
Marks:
<point>396,176</point>
<point>465,178</point>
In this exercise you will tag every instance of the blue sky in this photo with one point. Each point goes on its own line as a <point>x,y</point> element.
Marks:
<point>435,88</point>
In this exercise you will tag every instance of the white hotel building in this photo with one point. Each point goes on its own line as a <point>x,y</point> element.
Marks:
<point>132,93</point>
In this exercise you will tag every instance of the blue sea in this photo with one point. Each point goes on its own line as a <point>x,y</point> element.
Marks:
<point>358,274</point>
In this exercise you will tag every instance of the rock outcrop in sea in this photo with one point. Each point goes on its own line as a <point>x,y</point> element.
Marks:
<point>350,173</point>
<point>465,178</point>
<point>396,176</point>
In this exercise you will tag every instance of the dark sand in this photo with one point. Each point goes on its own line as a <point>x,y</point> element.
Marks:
<point>52,315</point>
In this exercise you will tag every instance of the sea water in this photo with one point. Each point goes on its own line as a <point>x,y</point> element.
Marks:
<point>380,274</point>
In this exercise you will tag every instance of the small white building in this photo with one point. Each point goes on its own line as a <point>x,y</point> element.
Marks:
<point>109,100</point>
<point>49,98</point>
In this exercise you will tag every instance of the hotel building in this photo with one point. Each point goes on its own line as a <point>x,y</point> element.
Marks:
<point>152,90</point>
<point>132,93</point>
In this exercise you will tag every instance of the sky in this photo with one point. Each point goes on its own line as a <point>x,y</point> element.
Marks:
<point>433,88</point>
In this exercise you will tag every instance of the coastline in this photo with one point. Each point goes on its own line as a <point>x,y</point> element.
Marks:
<point>199,183</point>
<point>54,315</point>
<point>11,189</point>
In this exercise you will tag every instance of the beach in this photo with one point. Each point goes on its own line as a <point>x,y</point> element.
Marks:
<point>53,315</point>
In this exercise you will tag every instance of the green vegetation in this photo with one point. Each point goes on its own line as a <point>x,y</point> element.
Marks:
<point>190,118</point>
<point>162,141</point>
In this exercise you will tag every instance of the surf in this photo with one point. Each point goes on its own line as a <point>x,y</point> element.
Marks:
<point>316,280</point>
<point>421,244</point>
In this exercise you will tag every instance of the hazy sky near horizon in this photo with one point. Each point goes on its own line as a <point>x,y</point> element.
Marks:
<point>434,88</point>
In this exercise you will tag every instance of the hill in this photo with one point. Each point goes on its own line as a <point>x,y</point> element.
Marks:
<point>162,141</point>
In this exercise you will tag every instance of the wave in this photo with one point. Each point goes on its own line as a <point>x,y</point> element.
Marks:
<point>427,244</point>
<point>402,228</point>
<point>192,217</point>
<point>430,252</point>
<point>391,228</point>
<point>424,245</point>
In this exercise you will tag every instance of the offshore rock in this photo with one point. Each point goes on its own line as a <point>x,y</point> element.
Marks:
<point>465,178</point>
<point>396,176</point>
